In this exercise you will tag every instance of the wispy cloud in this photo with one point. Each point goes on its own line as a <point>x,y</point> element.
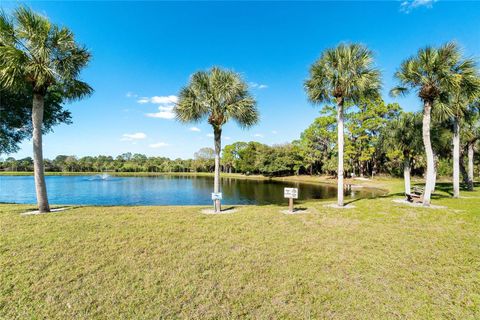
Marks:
<point>274,131</point>
<point>164,112</point>
<point>407,6</point>
<point>158,99</point>
<point>258,135</point>
<point>210,135</point>
<point>143,100</point>
<point>227,138</point>
<point>131,95</point>
<point>133,136</point>
<point>195,129</point>
<point>255,85</point>
<point>158,145</point>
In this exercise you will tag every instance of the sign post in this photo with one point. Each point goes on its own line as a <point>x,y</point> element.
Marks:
<point>216,196</point>
<point>290,194</point>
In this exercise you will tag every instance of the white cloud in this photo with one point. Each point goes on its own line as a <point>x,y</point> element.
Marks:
<point>195,129</point>
<point>408,5</point>
<point>165,108</point>
<point>158,145</point>
<point>158,99</point>
<point>131,94</point>
<point>274,131</point>
<point>255,85</point>
<point>133,136</point>
<point>210,135</point>
<point>143,100</point>
<point>164,99</point>
<point>227,138</point>
<point>164,112</point>
<point>258,135</point>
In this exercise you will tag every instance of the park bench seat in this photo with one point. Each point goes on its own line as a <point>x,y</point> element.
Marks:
<point>416,196</point>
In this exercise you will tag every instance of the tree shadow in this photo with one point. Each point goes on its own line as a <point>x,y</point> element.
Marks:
<point>355,200</point>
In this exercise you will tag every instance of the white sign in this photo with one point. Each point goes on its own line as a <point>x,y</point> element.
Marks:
<point>216,196</point>
<point>291,193</point>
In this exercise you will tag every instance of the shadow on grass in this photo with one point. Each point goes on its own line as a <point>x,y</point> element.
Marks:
<point>358,199</point>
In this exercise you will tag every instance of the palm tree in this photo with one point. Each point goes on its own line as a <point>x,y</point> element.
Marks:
<point>471,135</point>
<point>343,74</point>
<point>218,95</point>
<point>404,134</point>
<point>459,103</point>
<point>433,73</point>
<point>44,57</point>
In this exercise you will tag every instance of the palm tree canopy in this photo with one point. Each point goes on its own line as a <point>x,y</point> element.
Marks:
<point>219,95</point>
<point>404,133</point>
<point>344,72</point>
<point>471,127</point>
<point>36,52</point>
<point>437,72</point>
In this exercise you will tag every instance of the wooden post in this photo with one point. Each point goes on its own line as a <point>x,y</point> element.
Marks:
<point>290,205</point>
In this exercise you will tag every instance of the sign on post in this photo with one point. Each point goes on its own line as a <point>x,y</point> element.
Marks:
<point>290,194</point>
<point>216,196</point>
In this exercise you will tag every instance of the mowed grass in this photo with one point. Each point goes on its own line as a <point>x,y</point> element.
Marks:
<point>380,260</point>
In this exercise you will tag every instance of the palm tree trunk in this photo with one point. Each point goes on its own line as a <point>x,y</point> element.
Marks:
<point>38,168</point>
<point>217,132</point>
<point>430,178</point>
<point>406,174</point>
<point>340,152</point>
<point>456,158</point>
<point>463,170</point>
<point>470,166</point>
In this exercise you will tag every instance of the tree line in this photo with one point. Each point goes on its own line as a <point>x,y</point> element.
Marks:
<point>380,138</point>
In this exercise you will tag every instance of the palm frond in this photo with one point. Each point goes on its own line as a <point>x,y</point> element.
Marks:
<point>34,51</point>
<point>346,72</point>
<point>218,94</point>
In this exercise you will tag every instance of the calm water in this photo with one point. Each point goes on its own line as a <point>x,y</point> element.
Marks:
<point>162,190</point>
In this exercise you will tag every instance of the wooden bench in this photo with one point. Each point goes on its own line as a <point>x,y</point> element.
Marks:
<point>416,196</point>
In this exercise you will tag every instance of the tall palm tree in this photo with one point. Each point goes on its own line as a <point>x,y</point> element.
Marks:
<point>343,74</point>
<point>433,73</point>
<point>471,135</point>
<point>217,95</point>
<point>44,57</point>
<point>404,134</point>
<point>459,103</point>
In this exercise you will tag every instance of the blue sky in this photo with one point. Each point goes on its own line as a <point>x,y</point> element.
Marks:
<point>144,52</point>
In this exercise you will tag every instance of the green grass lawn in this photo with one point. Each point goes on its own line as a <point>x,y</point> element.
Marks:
<point>380,260</point>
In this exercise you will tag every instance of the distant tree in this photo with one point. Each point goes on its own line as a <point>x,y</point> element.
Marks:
<point>364,125</point>
<point>317,143</point>
<point>204,160</point>
<point>404,134</point>
<point>343,74</point>
<point>45,58</point>
<point>433,72</point>
<point>218,95</point>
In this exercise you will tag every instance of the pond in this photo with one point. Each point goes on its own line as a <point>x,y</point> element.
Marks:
<point>161,190</point>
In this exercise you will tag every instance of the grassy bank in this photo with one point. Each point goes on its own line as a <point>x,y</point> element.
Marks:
<point>378,260</point>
